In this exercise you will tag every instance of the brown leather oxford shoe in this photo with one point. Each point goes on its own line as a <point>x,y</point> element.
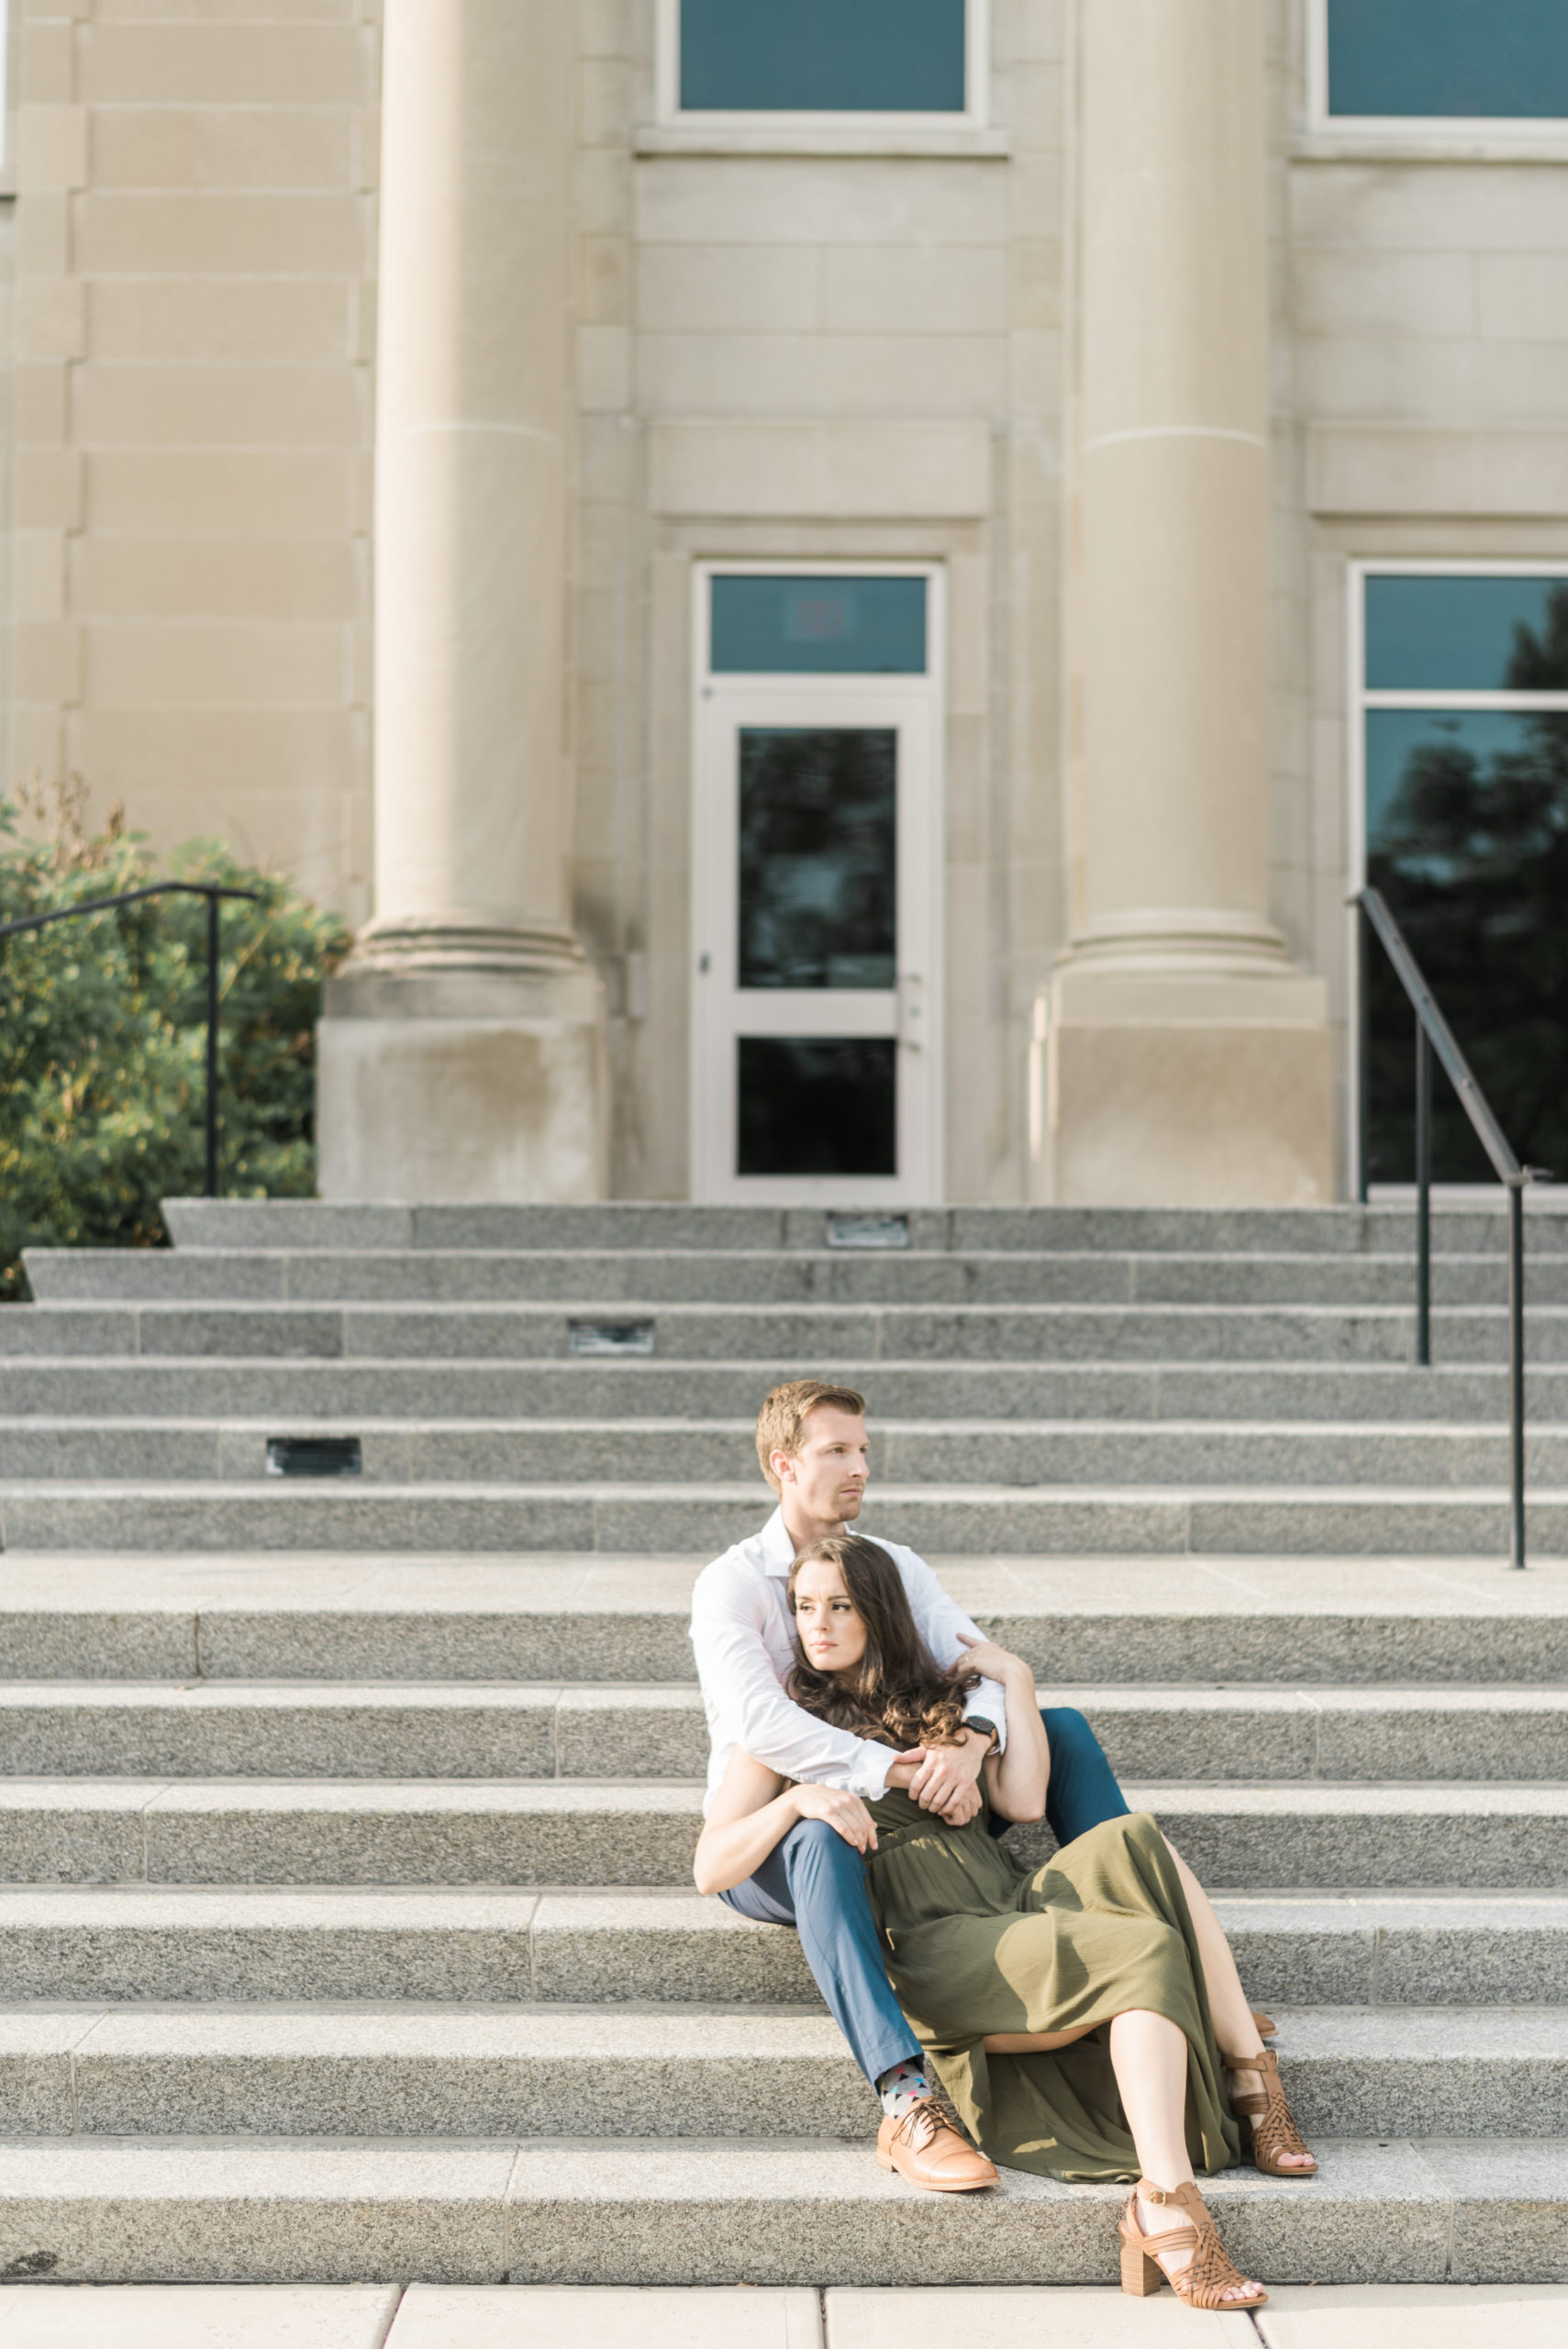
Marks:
<point>925,2148</point>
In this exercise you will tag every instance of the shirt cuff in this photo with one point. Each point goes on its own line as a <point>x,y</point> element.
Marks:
<point>872,1765</point>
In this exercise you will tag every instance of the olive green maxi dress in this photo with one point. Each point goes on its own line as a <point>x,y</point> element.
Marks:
<point>976,1943</point>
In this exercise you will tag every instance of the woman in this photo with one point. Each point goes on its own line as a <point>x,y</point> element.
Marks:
<point>1074,2016</point>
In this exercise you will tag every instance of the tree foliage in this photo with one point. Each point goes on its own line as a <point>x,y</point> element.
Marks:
<point>103,1037</point>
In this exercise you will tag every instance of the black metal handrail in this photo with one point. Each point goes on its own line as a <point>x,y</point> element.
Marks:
<point>213,893</point>
<point>1433,1034</point>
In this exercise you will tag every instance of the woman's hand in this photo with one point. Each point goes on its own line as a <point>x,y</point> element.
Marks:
<point>996,1662</point>
<point>845,1813</point>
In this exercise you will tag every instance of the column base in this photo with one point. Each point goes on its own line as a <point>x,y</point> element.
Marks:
<point>477,1087</point>
<point>1183,1086</point>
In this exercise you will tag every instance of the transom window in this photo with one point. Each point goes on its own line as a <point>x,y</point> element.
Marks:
<point>823,58</point>
<point>1460,755</point>
<point>1442,60</point>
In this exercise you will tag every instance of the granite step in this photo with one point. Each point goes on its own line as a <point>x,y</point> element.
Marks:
<point>720,1332</point>
<point>249,1224</point>
<point>361,1394</point>
<point>1010,1332</point>
<point>1019,1453</point>
<point>684,2071</point>
<point>731,2210</point>
<point>517,1730</point>
<point>131,1944</point>
<point>598,1832</point>
<point>74,1615</point>
<point>824,1277</point>
<point>354,1516</point>
<point>385,1729</point>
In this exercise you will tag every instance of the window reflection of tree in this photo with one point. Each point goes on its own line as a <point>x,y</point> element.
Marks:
<point>818,857</point>
<point>1472,854</point>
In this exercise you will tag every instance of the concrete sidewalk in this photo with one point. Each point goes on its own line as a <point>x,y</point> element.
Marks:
<point>422,2316</point>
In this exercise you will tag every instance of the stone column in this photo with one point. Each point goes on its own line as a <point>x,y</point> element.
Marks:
<point>1188,1060</point>
<point>461,1052</point>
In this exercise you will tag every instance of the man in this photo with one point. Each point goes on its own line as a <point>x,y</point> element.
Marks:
<point>811,1440</point>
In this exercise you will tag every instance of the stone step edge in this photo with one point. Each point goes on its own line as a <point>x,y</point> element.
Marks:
<point>651,1424</point>
<point>292,1491</point>
<point>729,2210</point>
<point>757,1252</point>
<point>190,1693</point>
<point>679,1909</point>
<point>681,1797</point>
<point>730,1310</point>
<point>700,2030</point>
<point>768,1367</point>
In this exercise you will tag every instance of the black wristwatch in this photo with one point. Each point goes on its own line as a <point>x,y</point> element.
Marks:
<point>978,1721</point>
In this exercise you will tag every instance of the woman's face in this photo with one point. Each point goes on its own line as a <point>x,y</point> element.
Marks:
<point>831,1633</point>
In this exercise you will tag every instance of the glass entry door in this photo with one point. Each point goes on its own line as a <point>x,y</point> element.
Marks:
<point>1460,761</point>
<point>815,1028</point>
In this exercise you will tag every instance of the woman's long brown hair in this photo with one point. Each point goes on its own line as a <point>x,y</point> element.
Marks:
<point>897,1690</point>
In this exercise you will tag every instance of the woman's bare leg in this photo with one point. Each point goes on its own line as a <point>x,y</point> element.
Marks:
<point>1150,2057</point>
<point>1233,2024</point>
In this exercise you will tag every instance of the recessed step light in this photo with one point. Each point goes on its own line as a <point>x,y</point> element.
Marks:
<point>868,1231</point>
<point>314,1455</point>
<point>610,1337</point>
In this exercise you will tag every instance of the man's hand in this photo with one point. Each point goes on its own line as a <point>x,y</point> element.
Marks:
<point>843,1811</point>
<point>945,1778</point>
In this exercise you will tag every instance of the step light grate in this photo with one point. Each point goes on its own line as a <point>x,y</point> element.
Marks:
<point>314,1455</point>
<point>610,1337</point>
<point>868,1231</point>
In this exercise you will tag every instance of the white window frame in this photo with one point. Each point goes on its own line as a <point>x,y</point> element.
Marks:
<point>712,1177</point>
<point>977,80</point>
<point>1438,129</point>
<point>8,78</point>
<point>1360,698</point>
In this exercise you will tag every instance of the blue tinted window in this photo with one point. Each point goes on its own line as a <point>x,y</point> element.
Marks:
<point>1467,635</point>
<point>1409,751</point>
<point>819,627</point>
<point>1448,57</point>
<point>823,56</point>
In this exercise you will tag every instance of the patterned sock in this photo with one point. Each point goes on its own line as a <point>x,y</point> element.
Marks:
<point>904,2087</point>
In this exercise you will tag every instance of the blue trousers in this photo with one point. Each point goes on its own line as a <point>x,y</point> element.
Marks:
<point>815,1882</point>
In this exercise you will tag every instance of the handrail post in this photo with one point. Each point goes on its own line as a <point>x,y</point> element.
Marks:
<point>1363,1052</point>
<point>1516,1375</point>
<point>214,891</point>
<point>1423,1197</point>
<point>212,918</point>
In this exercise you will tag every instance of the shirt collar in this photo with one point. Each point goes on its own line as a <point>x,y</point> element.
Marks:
<point>777,1549</point>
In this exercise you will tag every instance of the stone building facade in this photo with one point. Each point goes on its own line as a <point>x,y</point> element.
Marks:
<point>411,400</point>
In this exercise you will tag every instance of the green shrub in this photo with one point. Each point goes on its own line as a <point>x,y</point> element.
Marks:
<point>102,1036</point>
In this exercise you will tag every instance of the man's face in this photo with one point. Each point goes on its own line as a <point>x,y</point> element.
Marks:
<point>828,1475</point>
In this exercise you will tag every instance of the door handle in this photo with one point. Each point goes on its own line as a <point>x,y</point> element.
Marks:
<point>912,1011</point>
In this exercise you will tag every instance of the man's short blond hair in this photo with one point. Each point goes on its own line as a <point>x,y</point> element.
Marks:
<point>781,1419</point>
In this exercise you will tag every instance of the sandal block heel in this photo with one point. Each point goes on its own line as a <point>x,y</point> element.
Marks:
<point>1208,2275</point>
<point>1140,2274</point>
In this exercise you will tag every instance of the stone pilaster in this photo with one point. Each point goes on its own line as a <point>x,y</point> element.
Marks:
<point>461,1054</point>
<point>1188,1060</point>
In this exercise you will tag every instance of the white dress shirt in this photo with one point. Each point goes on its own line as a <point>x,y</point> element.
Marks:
<point>743,1633</point>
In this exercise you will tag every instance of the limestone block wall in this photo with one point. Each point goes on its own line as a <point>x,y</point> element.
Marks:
<point>1422,309</point>
<point>194,240</point>
<point>843,354</point>
<point>802,348</point>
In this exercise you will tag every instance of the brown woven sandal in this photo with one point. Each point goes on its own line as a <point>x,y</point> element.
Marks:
<point>1208,2275</point>
<point>1268,2126</point>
